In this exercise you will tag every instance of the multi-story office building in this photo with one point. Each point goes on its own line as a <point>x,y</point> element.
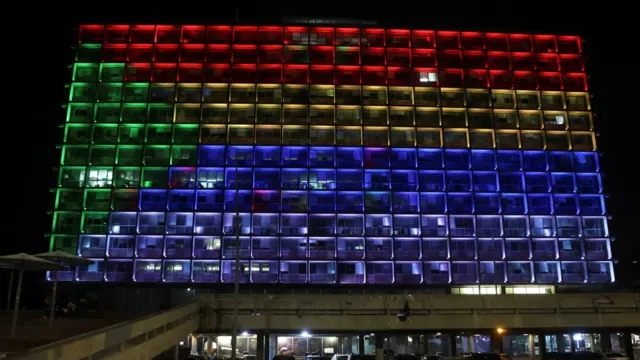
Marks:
<point>338,155</point>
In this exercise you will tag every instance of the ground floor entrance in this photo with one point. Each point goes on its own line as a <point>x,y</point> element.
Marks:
<point>521,344</point>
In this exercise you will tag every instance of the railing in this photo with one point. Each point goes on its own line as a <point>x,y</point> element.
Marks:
<point>150,335</point>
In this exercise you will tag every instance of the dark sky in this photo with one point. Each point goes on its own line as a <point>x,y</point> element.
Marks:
<point>608,47</point>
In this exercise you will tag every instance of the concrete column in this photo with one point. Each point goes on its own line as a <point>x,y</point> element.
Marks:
<point>260,351</point>
<point>497,341</point>
<point>628,347</point>
<point>361,343</point>
<point>560,342</point>
<point>425,344</point>
<point>452,344</point>
<point>379,346</point>
<point>542,342</point>
<point>194,345</point>
<point>471,342</point>
<point>532,345</point>
<point>176,352</point>
<point>267,346</point>
<point>605,342</point>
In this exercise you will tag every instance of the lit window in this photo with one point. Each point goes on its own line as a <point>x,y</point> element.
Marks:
<point>428,76</point>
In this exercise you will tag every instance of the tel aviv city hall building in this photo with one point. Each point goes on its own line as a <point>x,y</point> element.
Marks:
<point>335,155</point>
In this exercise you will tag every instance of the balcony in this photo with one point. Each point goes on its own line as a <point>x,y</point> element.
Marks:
<point>322,230</point>
<point>201,276</point>
<point>264,277</point>
<point>494,254</point>
<point>408,279</point>
<point>597,254</point>
<point>148,276</point>
<point>544,254</point>
<point>231,277</point>
<point>351,278</point>
<point>599,278</point>
<point>517,255</point>
<point>121,253</point>
<point>178,253</point>
<point>350,254</point>
<point>520,278</point>
<point>465,278</point>
<point>376,253</point>
<point>62,275</point>
<point>90,275</point>
<point>293,230</point>
<point>406,254</point>
<point>570,278</point>
<point>463,254</point>
<point>434,253</point>
<point>492,278</point>
<point>92,252</point>
<point>293,278</point>
<point>149,252</point>
<point>172,276</point>
<point>379,278</point>
<point>257,230</point>
<point>350,230</point>
<point>322,254</point>
<point>546,278</point>
<point>378,231</point>
<point>264,253</point>
<point>118,276</point>
<point>429,231</point>
<point>322,278</point>
<point>230,253</point>
<point>436,278</point>
<point>570,254</point>
<point>206,254</point>
<point>293,253</point>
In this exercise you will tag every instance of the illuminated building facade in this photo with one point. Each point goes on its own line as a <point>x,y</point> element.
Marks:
<point>352,156</point>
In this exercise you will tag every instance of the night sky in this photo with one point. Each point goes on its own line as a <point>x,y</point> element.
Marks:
<point>608,62</point>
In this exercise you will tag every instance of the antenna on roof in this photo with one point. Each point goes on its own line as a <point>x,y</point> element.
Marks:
<point>237,15</point>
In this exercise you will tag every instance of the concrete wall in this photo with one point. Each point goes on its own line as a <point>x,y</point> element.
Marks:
<point>426,312</point>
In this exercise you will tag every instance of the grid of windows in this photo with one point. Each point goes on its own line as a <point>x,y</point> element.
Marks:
<point>352,156</point>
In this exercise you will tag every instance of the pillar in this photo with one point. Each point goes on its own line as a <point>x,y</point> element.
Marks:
<point>267,346</point>
<point>542,343</point>
<point>452,344</point>
<point>532,344</point>
<point>425,344</point>
<point>361,343</point>
<point>497,342</point>
<point>605,342</point>
<point>379,346</point>
<point>628,346</point>
<point>176,352</point>
<point>260,353</point>
<point>194,346</point>
<point>560,342</point>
